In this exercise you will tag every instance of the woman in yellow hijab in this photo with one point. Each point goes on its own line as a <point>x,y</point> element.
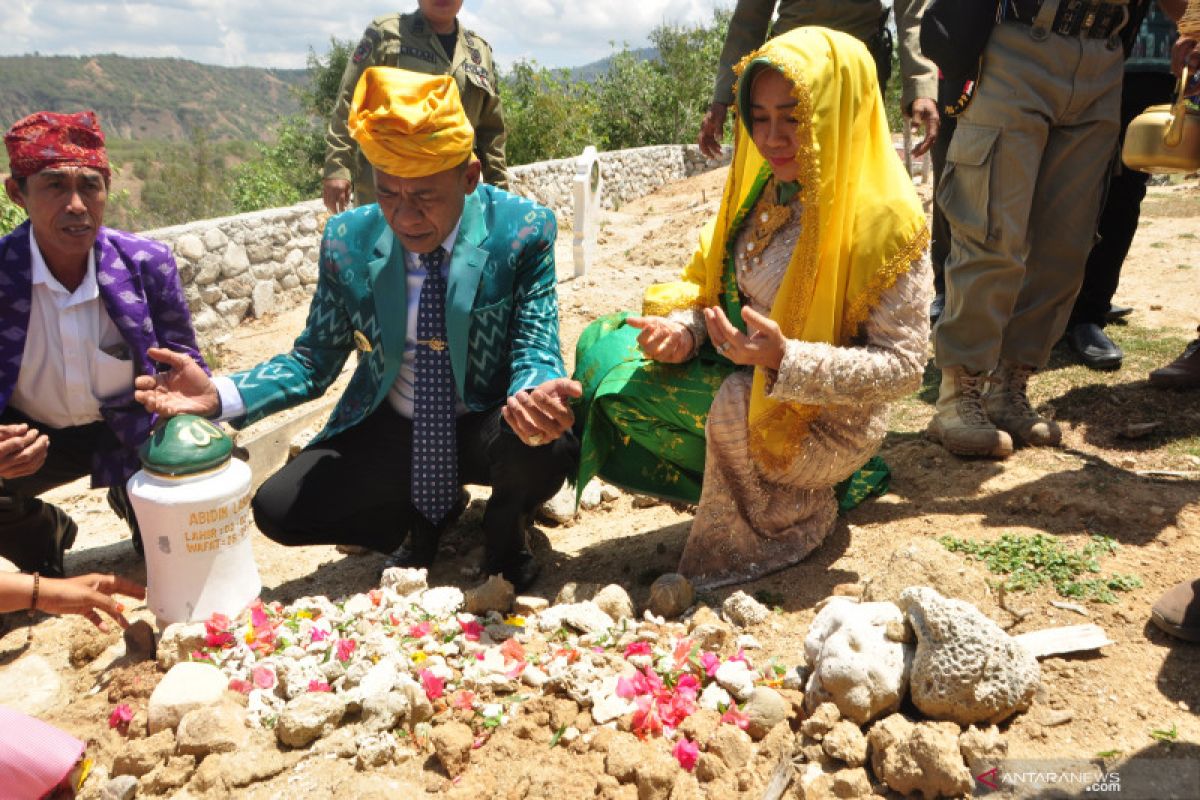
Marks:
<point>759,382</point>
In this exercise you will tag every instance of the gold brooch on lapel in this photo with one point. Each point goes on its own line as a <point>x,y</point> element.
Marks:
<point>361,342</point>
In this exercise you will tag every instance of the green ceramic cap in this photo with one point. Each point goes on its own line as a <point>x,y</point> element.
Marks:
<point>185,445</point>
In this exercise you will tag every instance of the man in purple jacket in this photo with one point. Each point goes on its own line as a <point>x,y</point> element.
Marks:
<point>79,306</point>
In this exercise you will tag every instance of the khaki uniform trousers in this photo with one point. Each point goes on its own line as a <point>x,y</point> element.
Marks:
<point>1025,176</point>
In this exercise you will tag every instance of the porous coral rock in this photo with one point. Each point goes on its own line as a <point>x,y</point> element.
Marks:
<point>967,668</point>
<point>743,610</point>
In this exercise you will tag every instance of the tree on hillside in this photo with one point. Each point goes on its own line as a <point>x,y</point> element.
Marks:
<point>636,102</point>
<point>661,101</point>
<point>289,170</point>
<point>546,113</point>
<point>189,188</point>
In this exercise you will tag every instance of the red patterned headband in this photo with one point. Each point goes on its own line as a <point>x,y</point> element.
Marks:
<point>47,139</point>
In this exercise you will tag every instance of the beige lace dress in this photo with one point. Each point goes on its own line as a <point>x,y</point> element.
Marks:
<point>752,521</point>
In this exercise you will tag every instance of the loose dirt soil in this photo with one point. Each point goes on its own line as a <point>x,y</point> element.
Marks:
<point>1144,492</point>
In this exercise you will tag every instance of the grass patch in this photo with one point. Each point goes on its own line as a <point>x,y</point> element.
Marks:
<point>1032,561</point>
<point>1174,205</point>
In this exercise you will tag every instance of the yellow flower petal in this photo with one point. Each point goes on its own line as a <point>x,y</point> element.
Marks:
<point>515,621</point>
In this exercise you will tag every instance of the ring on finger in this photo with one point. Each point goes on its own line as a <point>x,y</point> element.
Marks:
<point>723,347</point>
<point>537,439</point>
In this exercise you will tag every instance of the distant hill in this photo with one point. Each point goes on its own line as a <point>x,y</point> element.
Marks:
<point>150,98</point>
<point>592,71</point>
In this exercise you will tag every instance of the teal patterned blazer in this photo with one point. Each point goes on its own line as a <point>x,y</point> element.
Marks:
<point>501,313</point>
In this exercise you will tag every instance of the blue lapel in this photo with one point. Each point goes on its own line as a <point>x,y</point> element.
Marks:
<point>16,291</point>
<point>466,268</point>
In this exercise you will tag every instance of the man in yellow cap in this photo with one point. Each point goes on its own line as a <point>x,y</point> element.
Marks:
<point>446,288</point>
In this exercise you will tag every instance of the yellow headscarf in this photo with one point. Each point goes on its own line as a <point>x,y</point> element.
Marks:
<point>861,223</point>
<point>409,124</point>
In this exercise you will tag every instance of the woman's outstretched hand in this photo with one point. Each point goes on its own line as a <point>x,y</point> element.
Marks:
<point>663,340</point>
<point>764,347</point>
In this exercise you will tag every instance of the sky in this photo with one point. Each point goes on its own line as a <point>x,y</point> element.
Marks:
<point>279,33</point>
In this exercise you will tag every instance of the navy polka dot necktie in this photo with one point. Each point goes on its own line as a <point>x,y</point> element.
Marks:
<point>434,454</point>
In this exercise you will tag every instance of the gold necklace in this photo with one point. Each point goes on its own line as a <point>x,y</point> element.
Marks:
<point>767,217</point>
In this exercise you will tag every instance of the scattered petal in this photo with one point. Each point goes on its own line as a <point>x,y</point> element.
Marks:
<point>686,752</point>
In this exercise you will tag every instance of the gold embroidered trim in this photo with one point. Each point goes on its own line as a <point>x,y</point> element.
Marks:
<point>898,265</point>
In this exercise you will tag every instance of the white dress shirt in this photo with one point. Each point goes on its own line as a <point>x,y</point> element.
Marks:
<point>75,357</point>
<point>400,394</point>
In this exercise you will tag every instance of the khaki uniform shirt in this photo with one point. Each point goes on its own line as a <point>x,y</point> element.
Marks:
<point>859,18</point>
<point>407,41</point>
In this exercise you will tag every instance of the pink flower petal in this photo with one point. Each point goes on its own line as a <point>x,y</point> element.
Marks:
<point>120,716</point>
<point>263,677</point>
<point>344,648</point>
<point>434,686</point>
<point>239,685</point>
<point>318,686</point>
<point>686,752</point>
<point>637,649</point>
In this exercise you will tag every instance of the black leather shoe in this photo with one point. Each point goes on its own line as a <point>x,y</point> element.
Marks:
<point>1117,312</point>
<point>520,568</point>
<point>1094,347</point>
<point>937,307</point>
<point>420,551</point>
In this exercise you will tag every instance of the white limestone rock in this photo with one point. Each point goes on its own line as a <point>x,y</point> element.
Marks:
<point>187,686</point>
<point>591,497</point>
<point>441,601</point>
<point>585,617</point>
<point>561,507</point>
<point>967,668</point>
<point>737,678</point>
<point>309,717</point>
<point>855,661</point>
<point>189,246</point>
<point>614,601</point>
<point>263,299</point>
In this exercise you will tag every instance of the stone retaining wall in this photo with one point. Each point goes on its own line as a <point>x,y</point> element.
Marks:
<point>628,175</point>
<point>259,263</point>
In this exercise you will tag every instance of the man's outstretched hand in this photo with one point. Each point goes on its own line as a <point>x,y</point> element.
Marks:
<point>542,414</point>
<point>183,389</point>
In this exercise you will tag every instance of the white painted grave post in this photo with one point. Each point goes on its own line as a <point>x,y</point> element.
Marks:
<point>586,189</point>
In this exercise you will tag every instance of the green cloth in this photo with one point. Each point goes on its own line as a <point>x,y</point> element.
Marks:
<point>643,422</point>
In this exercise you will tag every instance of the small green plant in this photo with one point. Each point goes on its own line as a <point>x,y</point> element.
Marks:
<point>558,734</point>
<point>1108,754</point>
<point>1164,734</point>
<point>1031,561</point>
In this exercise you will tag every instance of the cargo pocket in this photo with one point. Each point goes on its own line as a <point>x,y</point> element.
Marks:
<point>965,191</point>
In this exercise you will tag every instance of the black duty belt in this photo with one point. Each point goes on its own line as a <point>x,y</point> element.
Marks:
<point>1089,20</point>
